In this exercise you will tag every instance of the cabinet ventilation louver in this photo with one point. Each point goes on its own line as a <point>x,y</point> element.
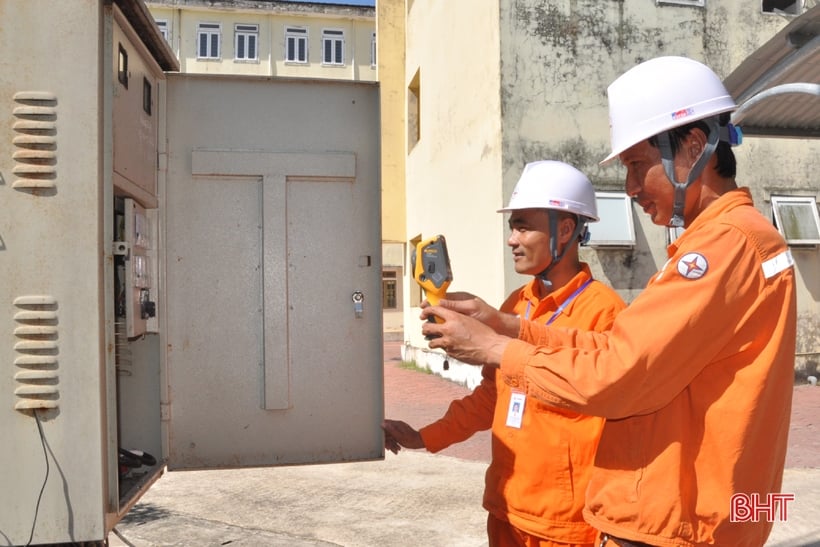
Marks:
<point>36,352</point>
<point>35,140</point>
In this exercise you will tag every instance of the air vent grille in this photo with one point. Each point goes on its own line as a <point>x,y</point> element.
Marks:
<point>36,377</point>
<point>35,141</point>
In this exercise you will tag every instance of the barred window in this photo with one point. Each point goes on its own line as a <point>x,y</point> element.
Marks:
<point>246,38</point>
<point>209,36</point>
<point>389,290</point>
<point>333,47</point>
<point>296,45</point>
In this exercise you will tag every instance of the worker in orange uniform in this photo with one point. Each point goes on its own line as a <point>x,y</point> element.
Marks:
<point>541,456</point>
<point>695,378</point>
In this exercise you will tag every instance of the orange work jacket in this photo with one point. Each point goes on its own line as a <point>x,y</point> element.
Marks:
<point>695,380</point>
<point>539,471</point>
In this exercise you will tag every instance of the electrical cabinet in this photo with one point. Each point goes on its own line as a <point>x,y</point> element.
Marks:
<point>135,256</point>
<point>178,288</point>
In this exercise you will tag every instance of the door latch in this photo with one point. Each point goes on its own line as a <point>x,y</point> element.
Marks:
<point>358,303</point>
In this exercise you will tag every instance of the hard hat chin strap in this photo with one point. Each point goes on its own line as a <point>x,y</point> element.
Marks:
<point>580,225</point>
<point>668,159</point>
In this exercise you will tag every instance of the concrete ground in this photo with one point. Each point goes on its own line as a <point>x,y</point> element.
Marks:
<point>409,499</point>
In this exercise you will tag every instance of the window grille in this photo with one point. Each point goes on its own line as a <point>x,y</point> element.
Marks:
<point>296,42</point>
<point>333,47</point>
<point>208,40</point>
<point>246,38</point>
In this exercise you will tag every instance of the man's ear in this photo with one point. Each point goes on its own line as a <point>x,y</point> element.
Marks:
<point>565,228</point>
<point>695,144</point>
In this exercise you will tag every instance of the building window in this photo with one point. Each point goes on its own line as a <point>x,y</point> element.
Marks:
<point>797,219</point>
<point>296,45</point>
<point>208,38</point>
<point>615,229</point>
<point>162,25</point>
<point>699,3</point>
<point>333,47</point>
<point>122,67</point>
<point>373,49</point>
<point>147,99</point>
<point>390,292</point>
<point>414,112</point>
<point>245,39</point>
<point>782,7</point>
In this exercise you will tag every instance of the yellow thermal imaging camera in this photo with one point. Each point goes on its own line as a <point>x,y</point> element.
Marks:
<point>431,268</point>
<point>430,265</point>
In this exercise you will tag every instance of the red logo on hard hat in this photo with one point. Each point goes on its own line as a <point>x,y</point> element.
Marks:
<point>682,113</point>
<point>555,202</point>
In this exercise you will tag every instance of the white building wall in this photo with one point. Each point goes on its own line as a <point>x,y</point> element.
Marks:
<point>454,169</point>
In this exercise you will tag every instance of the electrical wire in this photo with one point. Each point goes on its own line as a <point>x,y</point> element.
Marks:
<point>45,480</point>
<point>123,538</point>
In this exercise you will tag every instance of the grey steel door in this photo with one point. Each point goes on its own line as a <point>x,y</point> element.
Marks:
<point>271,229</point>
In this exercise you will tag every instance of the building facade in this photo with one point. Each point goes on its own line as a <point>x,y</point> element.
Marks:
<point>526,80</point>
<point>272,39</point>
<point>280,39</point>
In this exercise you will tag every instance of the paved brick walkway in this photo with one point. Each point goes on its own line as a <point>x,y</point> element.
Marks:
<point>419,398</point>
<point>804,435</point>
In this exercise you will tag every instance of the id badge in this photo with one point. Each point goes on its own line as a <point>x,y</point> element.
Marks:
<point>515,412</point>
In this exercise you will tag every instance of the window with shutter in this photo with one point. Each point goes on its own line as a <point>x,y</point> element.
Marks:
<point>245,42</point>
<point>333,47</point>
<point>296,45</point>
<point>208,38</point>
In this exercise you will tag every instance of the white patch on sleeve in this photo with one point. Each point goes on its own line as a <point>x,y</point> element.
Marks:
<point>775,265</point>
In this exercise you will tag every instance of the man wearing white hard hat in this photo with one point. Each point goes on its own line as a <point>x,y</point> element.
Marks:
<point>541,456</point>
<point>695,378</point>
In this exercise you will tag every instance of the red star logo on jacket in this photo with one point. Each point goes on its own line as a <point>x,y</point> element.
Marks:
<point>692,265</point>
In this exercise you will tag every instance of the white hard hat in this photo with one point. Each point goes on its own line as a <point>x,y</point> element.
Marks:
<point>555,185</point>
<point>661,94</point>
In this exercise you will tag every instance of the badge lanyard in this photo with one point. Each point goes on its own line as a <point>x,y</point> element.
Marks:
<point>564,304</point>
<point>515,412</point>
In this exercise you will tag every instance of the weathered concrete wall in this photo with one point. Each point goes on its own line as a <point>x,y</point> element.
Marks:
<point>784,166</point>
<point>557,59</point>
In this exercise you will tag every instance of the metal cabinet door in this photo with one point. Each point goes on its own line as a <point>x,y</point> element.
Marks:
<point>271,225</point>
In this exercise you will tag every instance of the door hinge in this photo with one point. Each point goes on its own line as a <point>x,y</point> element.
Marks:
<point>165,412</point>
